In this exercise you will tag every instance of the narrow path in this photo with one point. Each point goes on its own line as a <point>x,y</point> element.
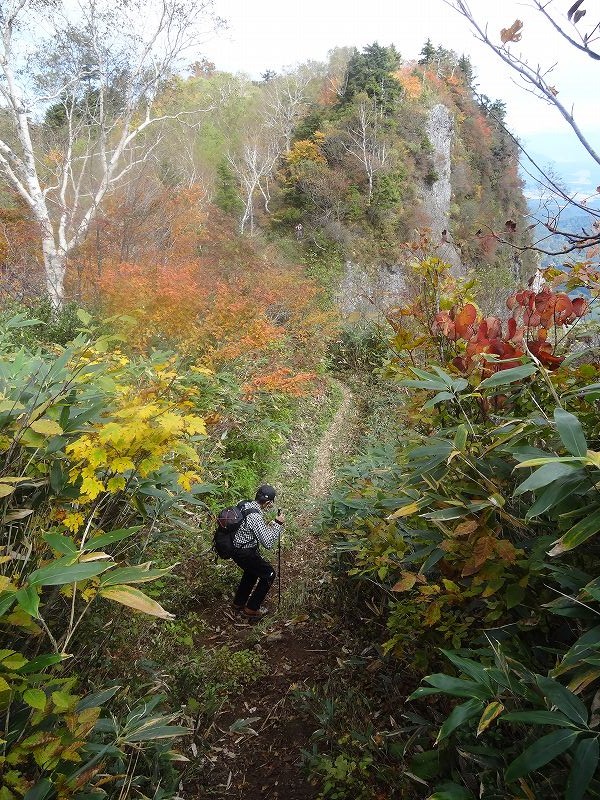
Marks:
<point>332,443</point>
<point>256,743</point>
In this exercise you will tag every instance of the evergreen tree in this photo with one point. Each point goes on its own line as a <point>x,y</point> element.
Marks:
<point>465,66</point>
<point>427,53</point>
<point>370,72</point>
<point>226,196</point>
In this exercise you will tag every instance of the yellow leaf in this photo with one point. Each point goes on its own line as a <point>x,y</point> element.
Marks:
<point>133,598</point>
<point>97,556</point>
<point>434,612</point>
<point>405,511</point>
<point>121,464</point>
<point>406,582</point>
<point>490,713</point>
<point>593,457</point>
<point>5,489</point>
<point>91,487</point>
<point>10,405</point>
<point>116,484</point>
<point>47,427</point>
<point>195,425</point>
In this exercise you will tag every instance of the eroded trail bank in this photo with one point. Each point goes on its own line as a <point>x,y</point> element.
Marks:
<point>256,741</point>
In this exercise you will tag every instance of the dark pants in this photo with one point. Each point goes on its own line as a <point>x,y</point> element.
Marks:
<point>255,568</point>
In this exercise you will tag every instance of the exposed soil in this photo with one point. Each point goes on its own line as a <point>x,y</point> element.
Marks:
<point>256,741</point>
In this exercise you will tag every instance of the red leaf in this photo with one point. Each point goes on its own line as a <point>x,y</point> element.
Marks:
<point>464,319</point>
<point>579,306</point>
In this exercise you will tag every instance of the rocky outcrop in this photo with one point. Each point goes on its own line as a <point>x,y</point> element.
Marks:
<point>369,292</point>
<point>437,197</point>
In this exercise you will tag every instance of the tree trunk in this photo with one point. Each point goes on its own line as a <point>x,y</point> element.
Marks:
<point>55,263</point>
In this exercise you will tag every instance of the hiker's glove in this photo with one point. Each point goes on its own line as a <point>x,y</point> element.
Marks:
<point>280,519</point>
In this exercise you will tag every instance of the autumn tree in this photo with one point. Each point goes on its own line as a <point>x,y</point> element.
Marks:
<point>365,140</point>
<point>79,86</point>
<point>267,137</point>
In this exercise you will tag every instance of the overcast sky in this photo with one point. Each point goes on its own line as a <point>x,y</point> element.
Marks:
<point>272,34</point>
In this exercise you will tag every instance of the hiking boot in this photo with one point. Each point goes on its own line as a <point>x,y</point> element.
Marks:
<point>253,615</point>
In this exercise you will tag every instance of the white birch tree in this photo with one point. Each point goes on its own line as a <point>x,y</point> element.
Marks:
<point>79,88</point>
<point>364,140</point>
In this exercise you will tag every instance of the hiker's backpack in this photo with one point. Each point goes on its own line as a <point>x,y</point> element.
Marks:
<point>230,520</point>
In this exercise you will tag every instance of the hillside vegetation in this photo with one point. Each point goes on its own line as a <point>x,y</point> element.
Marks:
<point>197,353</point>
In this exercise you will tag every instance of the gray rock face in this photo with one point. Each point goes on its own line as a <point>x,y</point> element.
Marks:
<point>369,292</point>
<point>436,199</point>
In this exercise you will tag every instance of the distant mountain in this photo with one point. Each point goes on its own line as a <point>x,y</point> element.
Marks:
<point>571,219</point>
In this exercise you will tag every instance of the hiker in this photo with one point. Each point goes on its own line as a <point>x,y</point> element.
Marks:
<point>258,575</point>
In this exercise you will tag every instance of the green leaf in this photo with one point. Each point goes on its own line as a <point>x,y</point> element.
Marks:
<point>460,438</point>
<point>439,397</point>
<point>470,667</point>
<point>29,600</point>
<point>570,431</point>
<point>585,763</point>
<point>4,685</point>
<point>41,662</point>
<point>6,601</point>
<point>62,544</point>
<point>139,574</point>
<point>457,687</point>
<point>552,496</point>
<point>97,698</point>
<point>514,595</point>
<point>508,376</point>
<point>432,385</point>
<point>579,533</point>
<point>540,753</point>
<point>63,700</point>
<point>83,316</point>
<point>158,731</point>
<point>35,698</point>
<point>40,791</point>
<point>564,700</point>
<point>111,537</point>
<point>459,715</point>
<point>451,791</point>
<point>538,718</point>
<point>61,572</point>
<point>543,476</point>
<point>46,427</point>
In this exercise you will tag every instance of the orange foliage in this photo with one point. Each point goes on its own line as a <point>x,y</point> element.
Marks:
<point>21,271</point>
<point>218,297</point>
<point>410,82</point>
<point>280,380</point>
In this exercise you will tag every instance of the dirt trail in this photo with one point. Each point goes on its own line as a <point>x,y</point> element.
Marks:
<point>323,476</point>
<point>261,758</point>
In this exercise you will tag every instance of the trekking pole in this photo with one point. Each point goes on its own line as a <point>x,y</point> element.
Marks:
<point>279,566</point>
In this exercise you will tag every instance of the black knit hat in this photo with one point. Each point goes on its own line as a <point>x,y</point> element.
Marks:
<point>265,493</point>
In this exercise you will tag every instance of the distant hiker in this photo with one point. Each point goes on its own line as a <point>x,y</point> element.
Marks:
<point>299,230</point>
<point>258,575</point>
